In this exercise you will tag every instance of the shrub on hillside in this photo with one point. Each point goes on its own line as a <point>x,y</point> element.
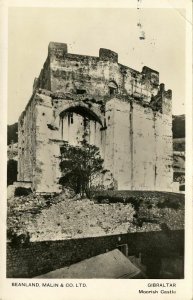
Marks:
<point>80,166</point>
<point>18,239</point>
<point>21,191</point>
<point>11,171</point>
<point>170,203</point>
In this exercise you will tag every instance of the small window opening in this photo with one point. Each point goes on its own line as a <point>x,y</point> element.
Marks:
<point>70,118</point>
<point>80,91</point>
<point>113,89</point>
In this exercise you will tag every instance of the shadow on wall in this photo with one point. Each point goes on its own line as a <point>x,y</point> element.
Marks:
<point>159,254</point>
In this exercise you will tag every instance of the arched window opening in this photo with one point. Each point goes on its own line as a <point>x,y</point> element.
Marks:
<point>79,123</point>
<point>113,88</point>
<point>82,111</point>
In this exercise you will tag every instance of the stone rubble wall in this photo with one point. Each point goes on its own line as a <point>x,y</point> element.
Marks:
<point>56,218</point>
<point>27,261</point>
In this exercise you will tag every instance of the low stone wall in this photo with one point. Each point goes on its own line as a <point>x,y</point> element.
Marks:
<point>145,195</point>
<point>33,259</point>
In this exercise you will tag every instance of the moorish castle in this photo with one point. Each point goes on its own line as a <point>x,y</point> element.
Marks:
<point>127,115</point>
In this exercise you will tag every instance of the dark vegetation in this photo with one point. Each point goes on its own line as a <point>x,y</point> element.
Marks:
<point>11,171</point>
<point>21,191</point>
<point>179,144</point>
<point>80,166</point>
<point>182,187</point>
<point>170,203</point>
<point>178,126</point>
<point>136,198</point>
<point>12,133</point>
<point>12,137</point>
<point>16,239</point>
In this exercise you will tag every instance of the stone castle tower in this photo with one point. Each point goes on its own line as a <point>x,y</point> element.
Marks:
<point>128,116</point>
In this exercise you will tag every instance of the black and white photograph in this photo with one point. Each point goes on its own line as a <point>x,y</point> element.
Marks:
<point>96,147</point>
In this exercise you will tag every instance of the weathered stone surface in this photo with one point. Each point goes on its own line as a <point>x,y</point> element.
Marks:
<point>57,218</point>
<point>127,113</point>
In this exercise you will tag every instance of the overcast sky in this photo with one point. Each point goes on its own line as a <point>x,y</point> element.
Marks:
<point>85,31</point>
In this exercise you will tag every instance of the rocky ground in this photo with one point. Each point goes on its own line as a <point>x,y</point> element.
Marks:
<point>66,217</point>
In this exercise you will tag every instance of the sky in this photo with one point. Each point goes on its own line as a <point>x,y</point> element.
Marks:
<point>85,30</point>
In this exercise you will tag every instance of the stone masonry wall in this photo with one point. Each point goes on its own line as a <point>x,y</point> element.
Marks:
<point>26,261</point>
<point>138,146</point>
<point>27,143</point>
<point>143,148</point>
<point>72,73</point>
<point>129,117</point>
<point>47,151</point>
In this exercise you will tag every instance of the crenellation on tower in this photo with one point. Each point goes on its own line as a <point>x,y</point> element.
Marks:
<point>129,120</point>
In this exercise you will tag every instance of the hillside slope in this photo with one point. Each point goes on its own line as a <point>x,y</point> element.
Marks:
<point>64,217</point>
